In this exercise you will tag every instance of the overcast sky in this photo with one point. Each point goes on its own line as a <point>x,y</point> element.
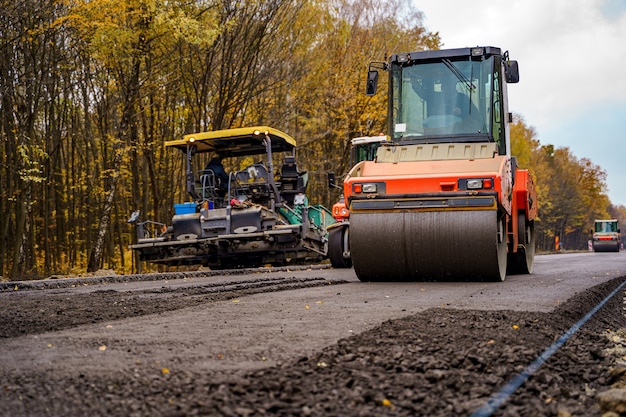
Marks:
<point>572,59</point>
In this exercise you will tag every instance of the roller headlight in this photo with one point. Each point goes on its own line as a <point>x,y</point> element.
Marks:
<point>474,184</point>
<point>370,188</point>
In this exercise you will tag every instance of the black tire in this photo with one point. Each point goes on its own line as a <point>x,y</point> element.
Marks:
<point>523,260</point>
<point>336,248</point>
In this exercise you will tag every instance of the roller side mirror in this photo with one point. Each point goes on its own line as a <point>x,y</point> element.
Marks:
<point>511,70</point>
<point>372,82</point>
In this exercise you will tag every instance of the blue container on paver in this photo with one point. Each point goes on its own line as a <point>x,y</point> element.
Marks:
<point>185,208</point>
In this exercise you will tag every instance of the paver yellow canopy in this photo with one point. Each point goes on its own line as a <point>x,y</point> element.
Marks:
<point>444,199</point>
<point>237,142</point>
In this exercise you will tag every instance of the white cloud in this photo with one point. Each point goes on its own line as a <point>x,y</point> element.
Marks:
<point>570,53</point>
<point>572,64</point>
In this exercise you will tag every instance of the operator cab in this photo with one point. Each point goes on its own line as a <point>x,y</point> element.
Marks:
<point>450,96</point>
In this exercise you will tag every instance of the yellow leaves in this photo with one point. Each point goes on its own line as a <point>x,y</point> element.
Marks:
<point>196,29</point>
<point>117,30</point>
<point>387,403</point>
<point>163,370</point>
<point>523,142</point>
<point>89,17</point>
<point>515,327</point>
<point>31,163</point>
<point>109,27</point>
<point>102,348</point>
<point>308,306</point>
<point>236,300</point>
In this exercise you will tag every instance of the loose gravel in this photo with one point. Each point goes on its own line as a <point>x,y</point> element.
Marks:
<point>441,362</point>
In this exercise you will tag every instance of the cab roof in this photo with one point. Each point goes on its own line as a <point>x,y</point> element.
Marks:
<point>236,142</point>
<point>479,52</point>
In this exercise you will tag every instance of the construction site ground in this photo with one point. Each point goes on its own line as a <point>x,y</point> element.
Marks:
<point>169,348</point>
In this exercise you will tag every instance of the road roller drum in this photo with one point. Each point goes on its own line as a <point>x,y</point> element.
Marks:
<point>428,245</point>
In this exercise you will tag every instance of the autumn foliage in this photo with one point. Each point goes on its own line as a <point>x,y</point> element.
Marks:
<point>571,191</point>
<point>90,90</point>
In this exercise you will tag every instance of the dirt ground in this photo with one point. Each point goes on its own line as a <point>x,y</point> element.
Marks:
<point>441,362</point>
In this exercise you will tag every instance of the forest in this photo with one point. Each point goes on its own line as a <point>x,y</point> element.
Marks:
<point>91,89</point>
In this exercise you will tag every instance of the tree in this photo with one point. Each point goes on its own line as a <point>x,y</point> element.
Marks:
<point>577,196</point>
<point>90,90</point>
<point>328,106</point>
<point>29,67</point>
<point>571,192</point>
<point>121,37</point>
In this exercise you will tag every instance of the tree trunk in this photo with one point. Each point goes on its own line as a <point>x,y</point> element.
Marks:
<point>128,129</point>
<point>95,257</point>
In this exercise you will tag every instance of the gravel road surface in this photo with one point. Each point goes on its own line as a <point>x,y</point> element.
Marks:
<point>315,342</point>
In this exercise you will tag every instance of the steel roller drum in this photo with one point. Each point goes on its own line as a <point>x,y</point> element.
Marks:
<point>428,246</point>
<point>606,246</point>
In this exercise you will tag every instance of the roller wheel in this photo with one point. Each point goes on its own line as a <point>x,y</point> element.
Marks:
<point>336,249</point>
<point>522,261</point>
<point>446,245</point>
